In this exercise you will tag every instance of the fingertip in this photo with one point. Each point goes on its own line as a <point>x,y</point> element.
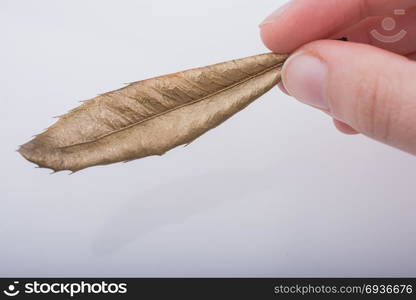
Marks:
<point>281,86</point>
<point>273,34</point>
<point>304,76</point>
<point>344,128</point>
<point>302,21</point>
<point>273,40</point>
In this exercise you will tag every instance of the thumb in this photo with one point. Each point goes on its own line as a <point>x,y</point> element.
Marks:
<point>370,89</point>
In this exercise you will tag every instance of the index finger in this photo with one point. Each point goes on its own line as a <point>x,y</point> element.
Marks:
<point>302,21</point>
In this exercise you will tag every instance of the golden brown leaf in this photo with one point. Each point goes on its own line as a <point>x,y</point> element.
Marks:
<point>152,116</point>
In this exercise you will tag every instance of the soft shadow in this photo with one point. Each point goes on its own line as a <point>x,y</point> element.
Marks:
<point>172,203</point>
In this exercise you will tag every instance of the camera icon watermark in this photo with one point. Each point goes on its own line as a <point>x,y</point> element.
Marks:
<point>389,24</point>
<point>12,290</point>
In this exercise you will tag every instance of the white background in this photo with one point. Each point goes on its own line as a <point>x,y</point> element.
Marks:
<point>274,191</point>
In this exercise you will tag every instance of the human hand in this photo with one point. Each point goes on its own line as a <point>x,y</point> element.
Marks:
<point>367,85</point>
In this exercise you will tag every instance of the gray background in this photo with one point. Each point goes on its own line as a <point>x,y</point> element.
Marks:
<point>274,191</point>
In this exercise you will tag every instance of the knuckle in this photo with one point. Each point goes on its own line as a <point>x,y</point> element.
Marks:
<point>375,107</point>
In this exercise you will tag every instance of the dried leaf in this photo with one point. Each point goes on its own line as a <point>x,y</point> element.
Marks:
<point>152,116</point>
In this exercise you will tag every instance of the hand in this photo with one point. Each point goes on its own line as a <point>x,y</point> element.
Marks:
<point>367,85</point>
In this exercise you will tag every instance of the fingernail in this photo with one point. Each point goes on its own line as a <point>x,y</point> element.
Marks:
<point>282,88</point>
<point>304,76</point>
<point>275,15</point>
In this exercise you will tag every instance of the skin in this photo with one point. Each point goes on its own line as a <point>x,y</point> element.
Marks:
<point>367,86</point>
